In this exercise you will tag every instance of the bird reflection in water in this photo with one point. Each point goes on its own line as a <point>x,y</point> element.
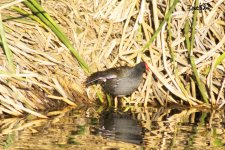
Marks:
<point>120,126</point>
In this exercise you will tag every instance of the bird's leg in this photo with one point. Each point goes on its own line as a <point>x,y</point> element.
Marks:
<point>109,100</point>
<point>116,102</point>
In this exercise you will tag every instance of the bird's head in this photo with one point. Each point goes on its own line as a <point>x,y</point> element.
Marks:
<point>142,67</point>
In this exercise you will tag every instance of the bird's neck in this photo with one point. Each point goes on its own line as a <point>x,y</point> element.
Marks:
<point>136,72</point>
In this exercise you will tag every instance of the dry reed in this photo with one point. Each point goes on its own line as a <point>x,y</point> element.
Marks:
<point>108,34</point>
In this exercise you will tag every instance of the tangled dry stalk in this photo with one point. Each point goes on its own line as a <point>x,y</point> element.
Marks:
<point>109,33</point>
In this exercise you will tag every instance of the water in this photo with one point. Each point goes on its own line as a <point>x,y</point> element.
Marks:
<point>137,128</point>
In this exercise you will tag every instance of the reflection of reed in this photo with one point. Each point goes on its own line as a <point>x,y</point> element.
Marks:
<point>180,128</point>
<point>156,128</point>
<point>17,124</point>
<point>68,128</point>
<point>25,132</point>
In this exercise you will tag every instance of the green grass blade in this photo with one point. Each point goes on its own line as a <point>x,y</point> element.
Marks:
<point>219,59</point>
<point>190,44</point>
<point>39,11</point>
<point>35,18</point>
<point>160,26</point>
<point>8,52</point>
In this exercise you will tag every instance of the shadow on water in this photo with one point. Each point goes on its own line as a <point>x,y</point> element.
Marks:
<point>137,128</point>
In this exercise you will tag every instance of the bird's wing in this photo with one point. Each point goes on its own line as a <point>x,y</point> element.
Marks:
<point>101,76</point>
<point>124,71</point>
<point>120,72</point>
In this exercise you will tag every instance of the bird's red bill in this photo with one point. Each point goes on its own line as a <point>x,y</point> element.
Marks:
<point>147,67</point>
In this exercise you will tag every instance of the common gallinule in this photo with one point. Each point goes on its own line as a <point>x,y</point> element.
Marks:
<point>120,81</point>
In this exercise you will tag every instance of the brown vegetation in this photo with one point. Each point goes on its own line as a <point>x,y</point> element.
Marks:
<point>107,34</point>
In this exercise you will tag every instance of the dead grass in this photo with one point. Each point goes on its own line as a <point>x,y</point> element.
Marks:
<point>108,34</point>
